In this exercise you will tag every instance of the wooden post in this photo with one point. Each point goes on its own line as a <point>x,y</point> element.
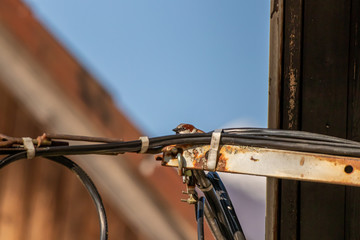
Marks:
<point>320,93</point>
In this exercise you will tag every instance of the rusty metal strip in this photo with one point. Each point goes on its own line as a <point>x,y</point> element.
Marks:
<point>273,163</point>
<point>214,148</point>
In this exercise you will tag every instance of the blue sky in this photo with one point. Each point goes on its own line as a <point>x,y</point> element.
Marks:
<point>167,62</point>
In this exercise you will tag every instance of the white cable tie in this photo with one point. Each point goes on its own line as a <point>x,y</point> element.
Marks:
<point>29,146</point>
<point>214,149</point>
<point>144,144</point>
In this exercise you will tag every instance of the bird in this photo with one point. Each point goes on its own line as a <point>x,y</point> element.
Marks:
<point>185,128</point>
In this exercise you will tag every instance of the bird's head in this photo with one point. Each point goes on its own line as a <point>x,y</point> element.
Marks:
<point>184,128</point>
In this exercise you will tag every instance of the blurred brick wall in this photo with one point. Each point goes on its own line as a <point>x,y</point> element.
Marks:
<point>41,200</point>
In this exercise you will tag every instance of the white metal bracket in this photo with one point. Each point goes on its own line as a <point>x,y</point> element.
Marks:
<point>272,163</point>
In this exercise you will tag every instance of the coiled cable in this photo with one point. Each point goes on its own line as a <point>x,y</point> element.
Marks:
<point>85,180</point>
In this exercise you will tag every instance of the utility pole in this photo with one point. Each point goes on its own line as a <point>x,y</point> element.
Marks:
<point>314,87</point>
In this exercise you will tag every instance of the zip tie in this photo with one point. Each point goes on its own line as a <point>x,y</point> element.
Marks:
<point>214,149</point>
<point>29,146</point>
<point>144,144</point>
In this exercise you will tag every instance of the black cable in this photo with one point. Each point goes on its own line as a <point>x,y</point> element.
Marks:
<point>288,133</point>
<point>263,138</point>
<point>85,180</point>
<point>230,139</point>
<point>212,222</point>
<point>227,207</point>
<point>200,217</point>
<point>221,222</point>
<point>211,212</point>
<point>156,144</point>
<point>91,188</point>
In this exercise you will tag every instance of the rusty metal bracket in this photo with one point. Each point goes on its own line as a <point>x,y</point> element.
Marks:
<point>271,163</point>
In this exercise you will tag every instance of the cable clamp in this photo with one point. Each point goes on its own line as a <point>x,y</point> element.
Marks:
<point>144,144</point>
<point>207,189</point>
<point>214,149</point>
<point>29,146</point>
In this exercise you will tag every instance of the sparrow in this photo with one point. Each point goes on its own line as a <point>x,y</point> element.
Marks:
<point>185,128</point>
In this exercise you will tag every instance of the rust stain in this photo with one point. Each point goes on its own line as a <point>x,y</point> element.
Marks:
<point>168,149</point>
<point>227,149</point>
<point>221,166</point>
<point>198,159</point>
<point>196,153</point>
<point>302,175</point>
<point>342,161</point>
<point>198,164</point>
<point>302,161</point>
<point>292,76</point>
<point>231,150</point>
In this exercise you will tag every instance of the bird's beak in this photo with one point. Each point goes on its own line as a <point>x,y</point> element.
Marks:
<point>175,129</point>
